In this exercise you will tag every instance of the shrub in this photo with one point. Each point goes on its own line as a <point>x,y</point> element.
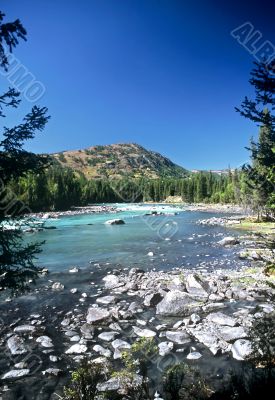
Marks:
<point>84,380</point>
<point>182,382</point>
<point>263,341</point>
<point>142,352</point>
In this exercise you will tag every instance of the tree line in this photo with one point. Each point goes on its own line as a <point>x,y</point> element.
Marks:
<point>61,188</point>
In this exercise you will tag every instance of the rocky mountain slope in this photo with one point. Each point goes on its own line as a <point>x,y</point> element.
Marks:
<point>118,161</point>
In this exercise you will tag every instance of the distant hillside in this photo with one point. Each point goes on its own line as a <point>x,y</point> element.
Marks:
<point>119,160</point>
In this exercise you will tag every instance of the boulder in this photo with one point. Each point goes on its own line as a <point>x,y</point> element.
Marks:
<point>24,329</point>
<point>228,241</point>
<point>230,334</point>
<point>221,319</point>
<point>97,314</point>
<point>241,349</point>
<point>45,341</point>
<point>107,336</point>
<point>209,336</point>
<point>16,345</point>
<point>112,281</point>
<point>195,286</point>
<point>77,349</point>
<point>151,300</point>
<point>179,337</point>
<point>120,344</point>
<point>52,371</point>
<point>177,303</point>
<point>106,300</point>
<point>73,270</point>
<point>16,373</point>
<point>57,286</point>
<point>75,338</point>
<point>115,222</point>
<point>102,351</point>
<point>165,348</point>
<point>143,332</point>
<point>195,355</point>
<point>87,331</point>
<point>120,383</point>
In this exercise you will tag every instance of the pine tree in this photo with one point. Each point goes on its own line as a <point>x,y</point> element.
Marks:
<point>260,175</point>
<point>16,259</point>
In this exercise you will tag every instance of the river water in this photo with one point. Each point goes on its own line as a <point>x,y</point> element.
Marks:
<point>175,240</point>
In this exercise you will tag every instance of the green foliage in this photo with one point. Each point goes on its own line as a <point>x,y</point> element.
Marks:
<point>270,269</point>
<point>62,158</point>
<point>182,382</point>
<point>260,174</point>
<point>263,341</point>
<point>142,352</point>
<point>16,259</point>
<point>99,148</point>
<point>84,381</point>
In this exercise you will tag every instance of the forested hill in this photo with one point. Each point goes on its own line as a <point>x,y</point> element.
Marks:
<point>119,161</point>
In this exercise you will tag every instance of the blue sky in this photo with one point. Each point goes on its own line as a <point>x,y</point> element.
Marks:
<point>162,73</point>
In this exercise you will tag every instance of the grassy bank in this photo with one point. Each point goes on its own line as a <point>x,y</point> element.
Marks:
<point>257,227</point>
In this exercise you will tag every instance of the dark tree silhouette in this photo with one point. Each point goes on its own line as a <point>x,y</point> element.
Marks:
<point>261,173</point>
<point>16,258</point>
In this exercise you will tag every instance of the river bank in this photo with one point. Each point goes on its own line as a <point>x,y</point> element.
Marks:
<point>113,208</point>
<point>95,209</point>
<point>243,222</point>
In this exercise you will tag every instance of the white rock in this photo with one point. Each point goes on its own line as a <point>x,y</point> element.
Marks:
<point>65,322</point>
<point>143,332</point>
<point>77,349</point>
<point>73,270</point>
<point>177,303</point>
<point>96,314</point>
<point>221,319</point>
<point>195,355</point>
<point>45,341</point>
<point>195,318</point>
<point>57,286</point>
<point>16,345</point>
<point>120,344</point>
<point>20,365</point>
<point>53,358</point>
<point>52,371</point>
<point>227,241</point>
<point>116,383</point>
<point>232,333</point>
<point>106,300</point>
<point>241,349</point>
<point>165,348</point>
<point>75,338</point>
<point>16,373</point>
<point>179,337</point>
<point>107,336</point>
<point>24,329</point>
<point>195,286</point>
<point>141,322</point>
<point>102,351</point>
<point>112,281</point>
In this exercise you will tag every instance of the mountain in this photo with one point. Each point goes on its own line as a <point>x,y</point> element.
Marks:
<point>119,160</point>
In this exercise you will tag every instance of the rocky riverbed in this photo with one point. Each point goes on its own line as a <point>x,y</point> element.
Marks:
<point>201,318</point>
<point>96,209</point>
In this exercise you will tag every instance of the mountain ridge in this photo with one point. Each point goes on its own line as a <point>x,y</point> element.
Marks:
<point>118,161</point>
